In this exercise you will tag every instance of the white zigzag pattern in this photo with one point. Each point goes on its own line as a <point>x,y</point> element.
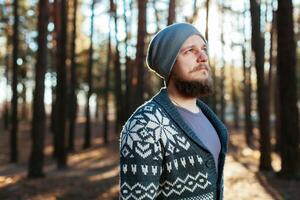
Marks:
<point>208,196</point>
<point>145,188</point>
<point>178,192</point>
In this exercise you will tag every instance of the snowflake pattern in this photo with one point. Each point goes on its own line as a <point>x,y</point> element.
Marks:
<point>150,126</point>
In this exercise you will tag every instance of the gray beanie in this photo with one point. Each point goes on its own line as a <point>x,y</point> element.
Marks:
<point>165,45</point>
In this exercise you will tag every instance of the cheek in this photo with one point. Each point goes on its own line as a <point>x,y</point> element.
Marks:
<point>181,69</point>
<point>185,65</point>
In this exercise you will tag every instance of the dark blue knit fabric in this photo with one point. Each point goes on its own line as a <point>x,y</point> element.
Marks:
<point>162,158</point>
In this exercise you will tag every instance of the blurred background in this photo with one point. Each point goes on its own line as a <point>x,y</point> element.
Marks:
<point>72,72</point>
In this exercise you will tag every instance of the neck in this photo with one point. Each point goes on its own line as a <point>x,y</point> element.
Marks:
<point>177,99</point>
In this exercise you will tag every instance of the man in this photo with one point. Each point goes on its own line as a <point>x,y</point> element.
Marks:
<point>174,146</point>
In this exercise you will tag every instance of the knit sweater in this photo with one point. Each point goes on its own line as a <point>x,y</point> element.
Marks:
<point>162,158</point>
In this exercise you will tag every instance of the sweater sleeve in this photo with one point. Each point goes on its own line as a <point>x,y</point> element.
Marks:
<point>140,159</point>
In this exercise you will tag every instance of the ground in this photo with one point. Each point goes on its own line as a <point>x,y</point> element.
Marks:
<point>93,173</point>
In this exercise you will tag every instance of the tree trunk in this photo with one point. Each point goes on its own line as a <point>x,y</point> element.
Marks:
<point>206,19</point>
<point>14,102</point>
<point>274,67</point>
<point>262,92</point>
<point>87,134</point>
<point>73,85</point>
<point>138,85</point>
<point>24,112</point>
<point>120,119</point>
<point>234,99</point>
<point>171,15</point>
<point>36,161</point>
<point>128,68</point>
<point>106,94</point>
<point>6,104</point>
<point>289,129</point>
<point>211,100</point>
<point>247,94</point>
<point>222,76</point>
<point>97,107</point>
<point>61,96</point>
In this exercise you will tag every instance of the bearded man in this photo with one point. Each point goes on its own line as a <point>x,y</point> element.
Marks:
<point>174,146</point>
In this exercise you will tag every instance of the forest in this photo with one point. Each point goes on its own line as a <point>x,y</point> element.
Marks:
<point>72,73</point>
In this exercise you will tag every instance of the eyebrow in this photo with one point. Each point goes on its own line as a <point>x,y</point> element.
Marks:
<point>191,46</point>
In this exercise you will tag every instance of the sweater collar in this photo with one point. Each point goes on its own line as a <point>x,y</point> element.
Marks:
<point>163,100</point>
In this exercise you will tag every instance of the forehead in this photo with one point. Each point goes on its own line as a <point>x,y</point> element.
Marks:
<point>193,40</point>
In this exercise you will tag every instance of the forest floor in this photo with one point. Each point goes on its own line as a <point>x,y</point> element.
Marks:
<point>93,173</point>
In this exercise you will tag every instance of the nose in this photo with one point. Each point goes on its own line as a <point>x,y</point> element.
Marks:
<point>202,56</point>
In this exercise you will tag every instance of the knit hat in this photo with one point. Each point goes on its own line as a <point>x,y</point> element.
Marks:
<point>165,45</point>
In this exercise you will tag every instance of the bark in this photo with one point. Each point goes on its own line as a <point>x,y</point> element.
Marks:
<point>234,100</point>
<point>128,68</point>
<point>286,74</point>
<point>206,19</point>
<point>171,15</point>
<point>87,134</point>
<point>247,94</point>
<point>53,126</point>
<point>273,64</point>
<point>107,79</point>
<point>73,86</point>
<point>212,101</point>
<point>6,104</point>
<point>36,161</point>
<point>262,92</point>
<point>138,85</point>
<point>24,112</point>
<point>222,76</point>
<point>97,107</point>
<point>61,96</point>
<point>119,103</point>
<point>14,101</point>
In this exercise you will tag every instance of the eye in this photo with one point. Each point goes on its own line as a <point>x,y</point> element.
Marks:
<point>192,50</point>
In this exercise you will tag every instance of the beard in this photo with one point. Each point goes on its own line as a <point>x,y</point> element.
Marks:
<point>193,88</point>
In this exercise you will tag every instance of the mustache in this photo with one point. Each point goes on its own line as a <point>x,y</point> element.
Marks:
<point>200,67</point>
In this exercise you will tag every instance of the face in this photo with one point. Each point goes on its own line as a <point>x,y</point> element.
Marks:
<point>191,74</point>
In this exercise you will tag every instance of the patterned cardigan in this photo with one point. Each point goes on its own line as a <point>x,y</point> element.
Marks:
<point>162,158</point>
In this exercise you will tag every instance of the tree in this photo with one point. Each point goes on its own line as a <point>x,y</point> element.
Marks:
<point>14,102</point>
<point>119,103</point>
<point>36,160</point>
<point>128,66</point>
<point>211,100</point>
<point>223,66</point>
<point>257,41</point>
<point>106,93</point>
<point>234,98</point>
<point>247,92</point>
<point>289,127</point>
<point>138,86</point>
<point>87,134</point>
<point>206,19</point>
<point>73,85</point>
<point>171,15</point>
<point>61,88</point>
<point>7,63</point>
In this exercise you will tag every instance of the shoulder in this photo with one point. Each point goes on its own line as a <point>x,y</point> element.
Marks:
<point>145,113</point>
<point>140,136</point>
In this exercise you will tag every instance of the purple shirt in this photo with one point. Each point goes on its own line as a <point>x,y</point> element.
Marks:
<point>204,130</point>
